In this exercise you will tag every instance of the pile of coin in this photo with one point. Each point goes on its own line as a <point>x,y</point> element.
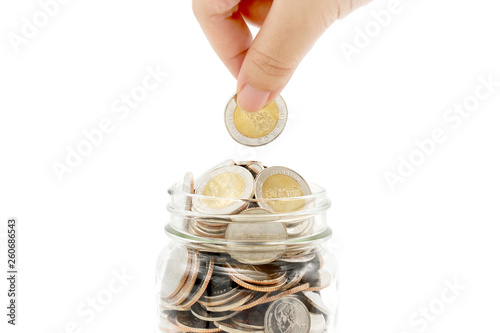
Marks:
<point>211,292</point>
<point>249,196</point>
<point>243,274</point>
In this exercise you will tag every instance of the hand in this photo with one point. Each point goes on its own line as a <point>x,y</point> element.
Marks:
<point>289,29</point>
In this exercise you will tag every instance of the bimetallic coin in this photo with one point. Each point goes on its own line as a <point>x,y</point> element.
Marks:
<point>256,128</point>
<point>224,189</point>
<point>238,234</point>
<point>281,183</point>
<point>220,165</point>
<point>287,314</point>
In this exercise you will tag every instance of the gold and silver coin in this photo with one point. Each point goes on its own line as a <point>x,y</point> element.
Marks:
<point>256,128</point>
<point>223,190</point>
<point>280,183</point>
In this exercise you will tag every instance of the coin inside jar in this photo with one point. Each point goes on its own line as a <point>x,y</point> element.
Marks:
<point>256,128</point>
<point>220,186</point>
<point>280,183</point>
<point>237,234</point>
<point>287,314</point>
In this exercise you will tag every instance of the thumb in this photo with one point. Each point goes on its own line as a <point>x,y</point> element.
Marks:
<point>289,31</point>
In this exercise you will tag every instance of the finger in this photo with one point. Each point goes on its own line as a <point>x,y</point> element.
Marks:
<point>255,11</point>
<point>289,31</point>
<point>225,29</point>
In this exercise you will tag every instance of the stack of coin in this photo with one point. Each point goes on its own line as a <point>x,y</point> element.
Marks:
<point>247,268</point>
<point>211,292</point>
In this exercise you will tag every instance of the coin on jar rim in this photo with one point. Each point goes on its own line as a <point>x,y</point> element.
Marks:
<point>220,165</point>
<point>256,128</point>
<point>225,189</point>
<point>280,183</point>
<point>287,314</point>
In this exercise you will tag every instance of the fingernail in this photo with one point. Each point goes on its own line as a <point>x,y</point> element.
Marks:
<point>251,99</point>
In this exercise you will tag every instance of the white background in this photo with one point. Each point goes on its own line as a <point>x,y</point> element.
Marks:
<point>349,123</point>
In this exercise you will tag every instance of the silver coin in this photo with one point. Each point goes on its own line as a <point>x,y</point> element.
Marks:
<point>315,300</point>
<point>280,183</point>
<point>287,314</point>
<point>255,128</point>
<point>318,323</point>
<point>241,236</point>
<point>302,228</point>
<point>176,272</point>
<point>224,190</point>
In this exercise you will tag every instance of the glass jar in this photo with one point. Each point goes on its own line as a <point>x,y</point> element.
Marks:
<point>258,265</point>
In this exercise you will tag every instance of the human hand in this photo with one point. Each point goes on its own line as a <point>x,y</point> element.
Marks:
<point>289,29</point>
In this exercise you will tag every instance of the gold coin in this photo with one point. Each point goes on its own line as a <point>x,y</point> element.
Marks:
<point>276,184</point>
<point>224,190</point>
<point>255,128</point>
<point>256,124</point>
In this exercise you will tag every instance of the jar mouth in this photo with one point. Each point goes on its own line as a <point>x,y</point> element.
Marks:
<point>192,205</point>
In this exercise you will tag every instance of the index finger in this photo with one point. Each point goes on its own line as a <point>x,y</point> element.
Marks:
<point>225,29</point>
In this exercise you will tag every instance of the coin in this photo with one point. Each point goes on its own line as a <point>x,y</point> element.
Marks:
<point>176,272</point>
<point>318,323</point>
<point>245,297</point>
<point>184,292</point>
<point>279,183</point>
<point>189,323</point>
<point>223,189</point>
<point>188,188</point>
<point>199,312</point>
<point>220,165</point>
<point>252,319</point>
<point>240,236</point>
<point>204,279</point>
<point>255,128</point>
<point>316,301</point>
<point>225,327</point>
<point>287,314</point>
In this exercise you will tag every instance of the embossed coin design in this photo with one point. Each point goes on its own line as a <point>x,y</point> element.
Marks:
<point>226,183</point>
<point>278,183</point>
<point>288,315</point>
<point>256,128</point>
